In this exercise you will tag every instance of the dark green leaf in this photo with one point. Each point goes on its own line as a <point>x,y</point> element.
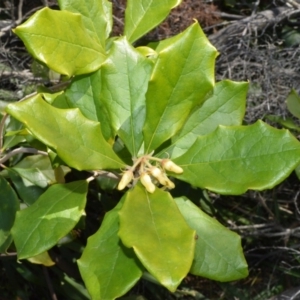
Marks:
<point>9,204</point>
<point>40,226</point>
<point>108,269</point>
<point>218,254</point>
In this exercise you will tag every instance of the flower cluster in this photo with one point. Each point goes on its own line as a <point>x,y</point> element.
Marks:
<point>150,174</point>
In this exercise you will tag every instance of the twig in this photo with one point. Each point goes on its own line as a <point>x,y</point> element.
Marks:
<point>49,284</point>
<point>21,150</point>
<point>293,3</point>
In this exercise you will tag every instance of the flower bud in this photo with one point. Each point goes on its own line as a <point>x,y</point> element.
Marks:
<point>147,183</point>
<point>170,166</point>
<point>125,180</point>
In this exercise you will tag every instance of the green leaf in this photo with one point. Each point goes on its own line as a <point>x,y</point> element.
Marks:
<point>9,204</point>
<point>176,88</point>
<point>152,225</point>
<point>84,93</point>
<point>123,93</point>
<point>27,191</point>
<point>143,15</point>
<point>96,16</point>
<point>232,160</point>
<point>40,226</point>
<point>218,254</point>
<point>293,103</point>
<point>225,105</point>
<point>287,123</point>
<point>60,40</point>
<point>108,269</point>
<point>37,169</point>
<point>77,140</point>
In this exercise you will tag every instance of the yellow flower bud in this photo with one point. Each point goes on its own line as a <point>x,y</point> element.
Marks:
<point>170,166</point>
<point>125,180</point>
<point>147,183</point>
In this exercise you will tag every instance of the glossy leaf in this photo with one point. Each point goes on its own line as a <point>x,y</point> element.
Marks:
<point>108,269</point>
<point>225,105</point>
<point>96,16</point>
<point>176,88</point>
<point>218,253</point>
<point>293,103</point>
<point>77,140</point>
<point>143,15</point>
<point>60,40</point>
<point>40,226</point>
<point>9,204</point>
<point>232,160</point>
<point>84,93</point>
<point>152,225</point>
<point>123,93</point>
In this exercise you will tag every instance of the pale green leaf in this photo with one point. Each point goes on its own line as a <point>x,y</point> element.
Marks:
<point>40,226</point>
<point>124,83</point>
<point>218,253</point>
<point>96,16</point>
<point>77,140</point>
<point>9,204</point>
<point>293,103</point>
<point>143,15</point>
<point>232,160</point>
<point>153,226</point>
<point>84,93</point>
<point>182,76</point>
<point>108,269</point>
<point>224,105</point>
<point>60,40</point>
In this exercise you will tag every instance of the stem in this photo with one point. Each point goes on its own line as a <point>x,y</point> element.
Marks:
<point>49,284</point>
<point>21,150</point>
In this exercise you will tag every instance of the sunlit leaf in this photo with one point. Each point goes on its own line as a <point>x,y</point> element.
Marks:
<point>42,259</point>
<point>40,226</point>
<point>108,268</point>
<point>218,254</point>
<point>225,105</point>
<point>143,15</point>
<point>123,93</point>
<point>152,225</point>
<point>182,76</point>
<point>96,16</point>
<point>60,40</point>
<point>234,159</point>
<point>77,140</point>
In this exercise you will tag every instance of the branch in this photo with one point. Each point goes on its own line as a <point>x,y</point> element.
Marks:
<point>258,22</point>
<point>21,150</point>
